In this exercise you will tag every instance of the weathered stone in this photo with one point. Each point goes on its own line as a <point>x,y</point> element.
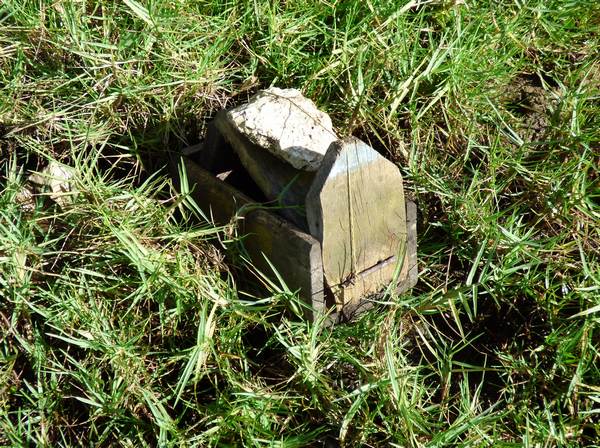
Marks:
<point>58,179</point>
<point>286,124</point>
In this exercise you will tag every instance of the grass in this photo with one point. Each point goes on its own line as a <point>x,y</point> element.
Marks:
<point>122,323</point>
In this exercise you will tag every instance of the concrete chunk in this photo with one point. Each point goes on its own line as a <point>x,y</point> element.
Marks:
<point>288,125</point>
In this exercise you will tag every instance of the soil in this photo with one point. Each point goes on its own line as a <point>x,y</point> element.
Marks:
<point>531,106</point>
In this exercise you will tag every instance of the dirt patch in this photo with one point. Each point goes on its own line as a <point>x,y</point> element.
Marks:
<point>530,106</point>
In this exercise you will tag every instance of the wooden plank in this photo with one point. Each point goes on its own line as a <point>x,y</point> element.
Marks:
<point>294,254</point>
<point>356,209</point>
<point>412,265</point>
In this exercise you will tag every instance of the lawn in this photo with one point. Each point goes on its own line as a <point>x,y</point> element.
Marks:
<point>126,319</point>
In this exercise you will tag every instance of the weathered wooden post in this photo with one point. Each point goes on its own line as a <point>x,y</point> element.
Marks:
<point>342,229</point>
<point>356,209</point>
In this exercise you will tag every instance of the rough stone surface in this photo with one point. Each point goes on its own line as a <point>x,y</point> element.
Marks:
<point>287,124</point>
<point>58,179</point>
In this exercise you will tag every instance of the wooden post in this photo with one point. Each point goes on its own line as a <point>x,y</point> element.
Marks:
<point>358,233</point>
<point>356,209</point>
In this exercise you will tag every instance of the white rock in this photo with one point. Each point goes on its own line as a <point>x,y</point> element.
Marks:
<point>58,179</point>
<point>287,124</point>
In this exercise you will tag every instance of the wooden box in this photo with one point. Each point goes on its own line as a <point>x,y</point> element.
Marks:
<point>354,237</point>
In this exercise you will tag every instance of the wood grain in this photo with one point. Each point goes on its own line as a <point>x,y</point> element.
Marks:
<point>356,209</point>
